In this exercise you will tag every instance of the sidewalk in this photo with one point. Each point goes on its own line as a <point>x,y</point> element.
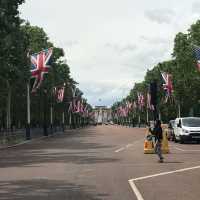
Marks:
<point>19,139</point>
<point>15,139</point>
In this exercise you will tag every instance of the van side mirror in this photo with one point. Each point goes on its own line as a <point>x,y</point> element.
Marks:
<point>179,125</point>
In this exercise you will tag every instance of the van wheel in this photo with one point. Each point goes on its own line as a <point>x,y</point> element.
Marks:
<point>175,140</point>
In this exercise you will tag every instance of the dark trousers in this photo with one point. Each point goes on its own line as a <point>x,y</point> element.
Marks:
<point>158,150</point>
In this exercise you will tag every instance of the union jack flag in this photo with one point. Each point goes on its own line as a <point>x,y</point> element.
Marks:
<point>197,54</point>
<point>40,66</point>
<point>167,86</point>
<point>140,100</point>
<point>59,93</point>
<point>134,105</point>
<point>78,107</point>
<point>149,105</point>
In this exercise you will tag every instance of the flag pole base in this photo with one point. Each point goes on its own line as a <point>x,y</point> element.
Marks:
<point>45,132</point>
<point>51,127</point>
<point>28,132</point>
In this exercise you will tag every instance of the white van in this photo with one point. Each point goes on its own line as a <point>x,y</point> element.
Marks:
<point>187,129</point>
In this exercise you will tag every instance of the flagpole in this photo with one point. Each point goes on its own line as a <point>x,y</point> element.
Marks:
<point>179,110</point>
<point>139,119</point>
<point>70,120</point>
<point>28,135</point>
<point>51,117</point>
<point>45,130</point>
<point>147,109</point>
<point>63,115</point>
<point>8,107</point>
<point>63,121</point>
<point>51,110</point>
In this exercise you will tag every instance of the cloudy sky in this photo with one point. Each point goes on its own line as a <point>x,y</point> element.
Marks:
<point>110,44</point>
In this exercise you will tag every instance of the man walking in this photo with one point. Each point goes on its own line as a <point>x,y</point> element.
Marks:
<point>157,132</point>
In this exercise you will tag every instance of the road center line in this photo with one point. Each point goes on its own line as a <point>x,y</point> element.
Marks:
<point>128,146</point>
<point>118,150</point>
<point>137,192</point>
<point>179,149</point>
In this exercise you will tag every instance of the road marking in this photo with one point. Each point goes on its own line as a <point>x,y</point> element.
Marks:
<point>136,190</point>
<point>118,150</point>
<point>179,149</point>
<point>128,146</point>
<point>123,148</point>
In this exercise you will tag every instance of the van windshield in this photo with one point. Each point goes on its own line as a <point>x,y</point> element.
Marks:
<point>191,122</point>
<point>172,123</point>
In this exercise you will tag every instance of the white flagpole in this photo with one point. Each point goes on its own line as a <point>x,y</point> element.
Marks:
<point>179,110</point>
<point>51,117</point>
<point>139,120</point>
<point>28,135</point>
<point>147,110</point>
<point>70,119</point>
<point>63,121</point>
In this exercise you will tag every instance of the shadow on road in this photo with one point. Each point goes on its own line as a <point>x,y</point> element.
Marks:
<point>46,190</point>
<point>60,149</point>
<point>173,162</point>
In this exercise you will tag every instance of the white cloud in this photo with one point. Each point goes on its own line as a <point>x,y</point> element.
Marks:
<point>121,48</point>
<point>160,15</point>
<point>104,90</point>
<point>110,44</point>
<point>196,7</point>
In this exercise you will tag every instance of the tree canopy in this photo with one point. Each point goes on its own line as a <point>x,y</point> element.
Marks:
<point>185,77</point>
<point>18,40</point>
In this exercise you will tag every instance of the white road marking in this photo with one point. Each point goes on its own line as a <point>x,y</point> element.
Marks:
<point>118,150</point>
<point>179,149</point>
<point>128,146</point>
<point>137,192</point>
<point>142,140</point>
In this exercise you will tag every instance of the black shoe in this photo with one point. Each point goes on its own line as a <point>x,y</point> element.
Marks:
<point>161,160</point>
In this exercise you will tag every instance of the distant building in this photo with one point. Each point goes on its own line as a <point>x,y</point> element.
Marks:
<point>102,114</point>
